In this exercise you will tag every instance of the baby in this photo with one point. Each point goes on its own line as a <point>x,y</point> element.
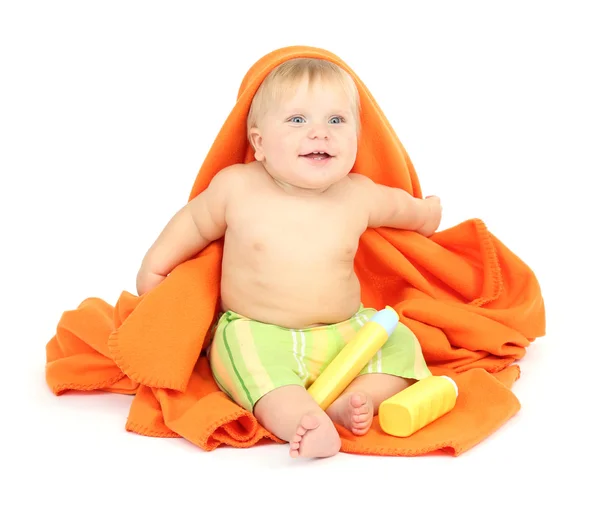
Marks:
<point>291,222</point>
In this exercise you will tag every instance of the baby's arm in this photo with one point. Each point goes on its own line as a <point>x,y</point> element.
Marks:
<point>192,228</point>
<point>394,207</point>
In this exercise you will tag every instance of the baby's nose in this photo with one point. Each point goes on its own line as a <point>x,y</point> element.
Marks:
<point>319,131</point>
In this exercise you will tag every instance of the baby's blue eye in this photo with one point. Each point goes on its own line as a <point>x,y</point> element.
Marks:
<point>337,119</point>
<point>297,119</point>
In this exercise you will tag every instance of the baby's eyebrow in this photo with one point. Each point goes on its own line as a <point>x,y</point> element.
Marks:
<point>343,113</point>
<point>293,111</point>
<point>301,111</point>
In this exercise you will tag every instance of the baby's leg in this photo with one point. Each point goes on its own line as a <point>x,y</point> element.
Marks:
<point>290,413</point>
<point>355,407</point>
<point>397,365</point>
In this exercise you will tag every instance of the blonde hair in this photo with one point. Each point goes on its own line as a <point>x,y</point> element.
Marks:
<point>286,76</point>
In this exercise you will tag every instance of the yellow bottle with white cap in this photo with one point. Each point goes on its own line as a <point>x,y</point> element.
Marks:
<point>353,357</point>
<point>418,405</point>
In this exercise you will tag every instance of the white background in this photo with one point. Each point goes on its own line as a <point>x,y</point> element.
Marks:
<point>107,110</point>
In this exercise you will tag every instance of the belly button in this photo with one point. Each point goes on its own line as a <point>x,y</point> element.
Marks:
<point>257,246</point>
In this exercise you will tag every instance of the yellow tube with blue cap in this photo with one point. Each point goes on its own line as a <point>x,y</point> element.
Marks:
<point>354,357</point>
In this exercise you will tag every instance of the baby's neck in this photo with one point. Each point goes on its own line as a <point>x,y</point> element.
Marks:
<point>296,191</point>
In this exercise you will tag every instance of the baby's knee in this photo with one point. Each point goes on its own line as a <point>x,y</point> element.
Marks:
<point>290,400</point>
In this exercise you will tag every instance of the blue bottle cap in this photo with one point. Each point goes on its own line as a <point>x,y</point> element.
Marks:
<point>387,318</point>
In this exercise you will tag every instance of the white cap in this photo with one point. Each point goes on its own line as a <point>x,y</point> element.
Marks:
<point>453,383</point>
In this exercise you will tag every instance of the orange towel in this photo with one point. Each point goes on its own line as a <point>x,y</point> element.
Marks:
<point>473,303</point>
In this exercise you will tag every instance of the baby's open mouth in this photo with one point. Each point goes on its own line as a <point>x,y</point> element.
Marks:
<point>317,155</point>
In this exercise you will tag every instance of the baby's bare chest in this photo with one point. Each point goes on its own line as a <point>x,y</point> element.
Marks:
<point>297,229</point>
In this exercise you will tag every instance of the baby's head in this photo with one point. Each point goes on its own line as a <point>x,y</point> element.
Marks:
<point>306,106</point>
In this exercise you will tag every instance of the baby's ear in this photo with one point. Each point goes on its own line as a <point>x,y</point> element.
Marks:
<point>256,141</point>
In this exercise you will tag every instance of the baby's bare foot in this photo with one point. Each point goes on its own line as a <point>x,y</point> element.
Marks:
<point>354,411</point>
<point>315,437</point>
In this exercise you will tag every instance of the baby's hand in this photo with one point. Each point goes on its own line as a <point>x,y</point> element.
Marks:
<point>432,215</point>
<point>146,281</point>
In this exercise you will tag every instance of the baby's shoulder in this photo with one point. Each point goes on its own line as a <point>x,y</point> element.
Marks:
<point>361,186</point>
<point>236,174</point>
<point>360,180</point>
<point>229,180</point>
<point>229,174</point>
